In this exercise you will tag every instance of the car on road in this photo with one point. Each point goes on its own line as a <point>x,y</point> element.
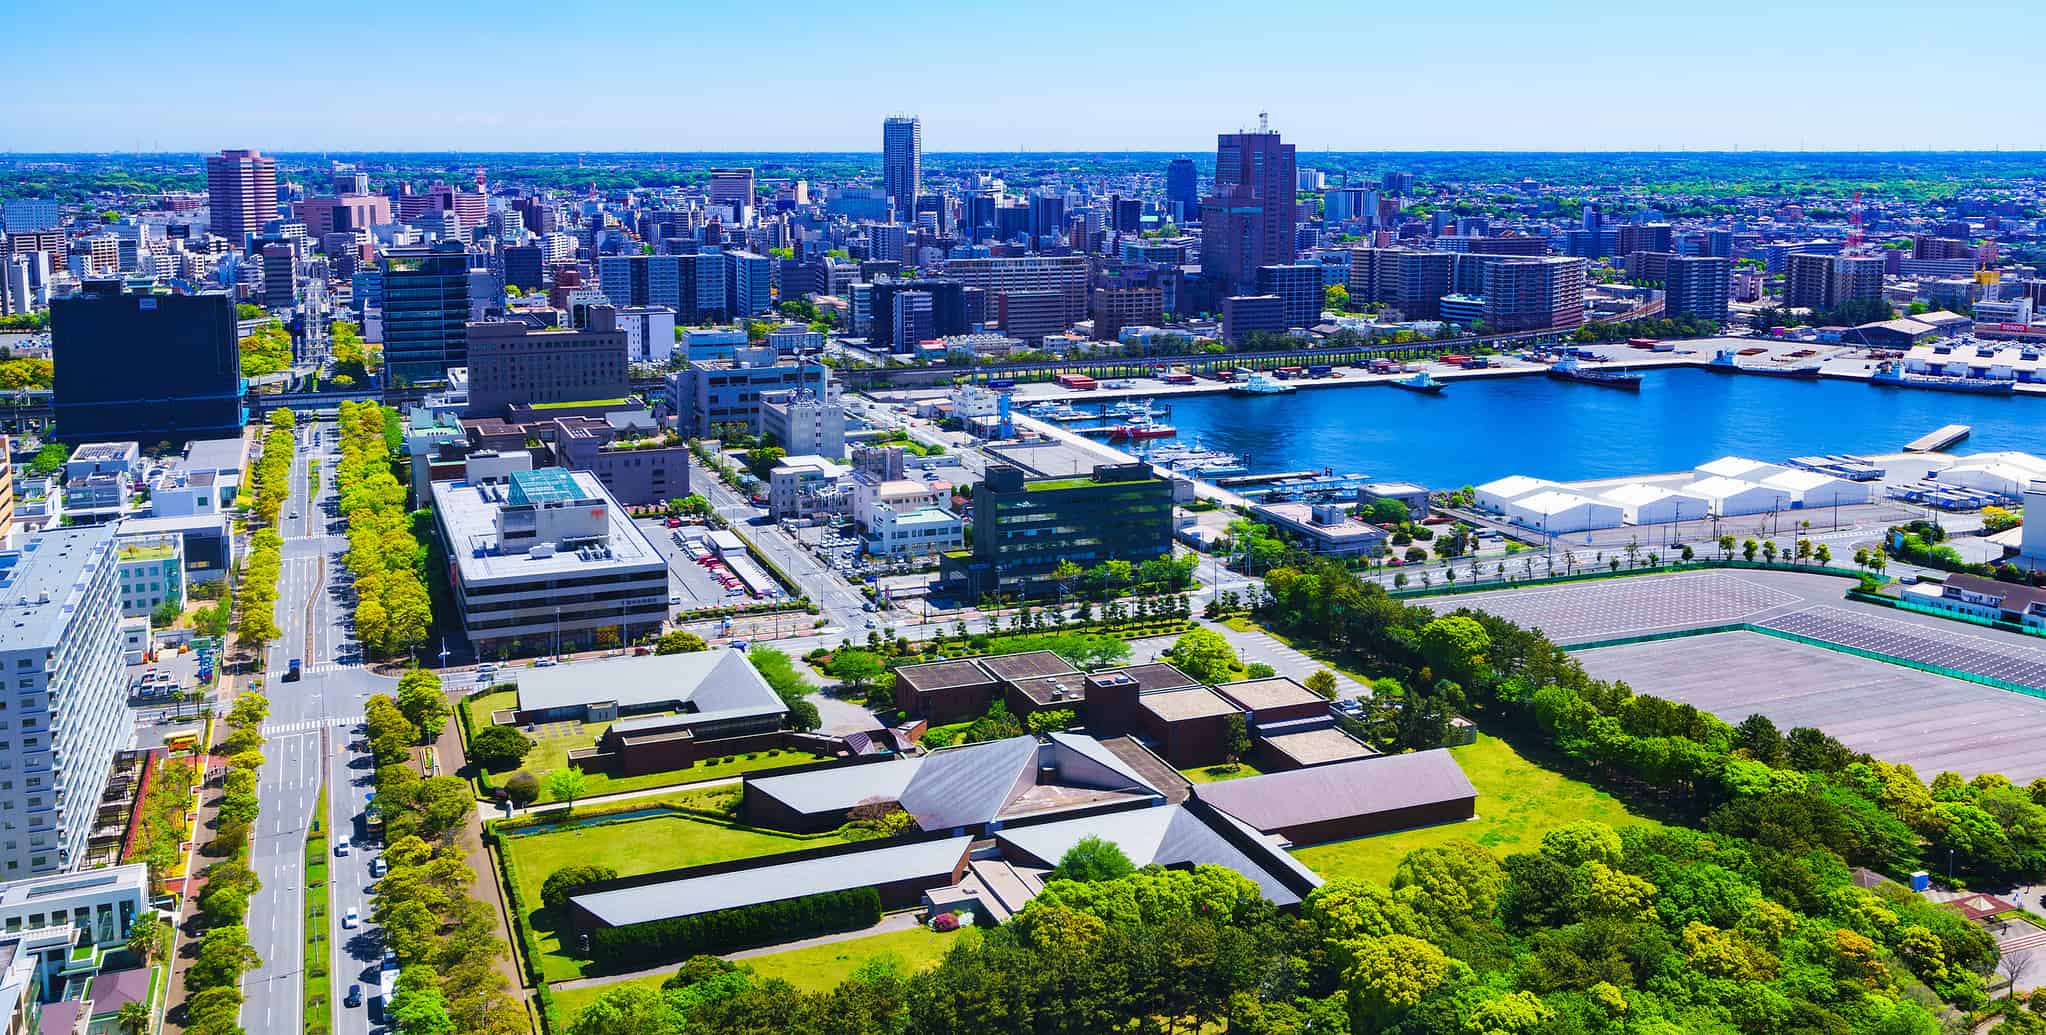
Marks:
<point>294,514</point>
<point>376,866</point>
<point>354,996</point>
<point>351,919</point>
<point>674,599</point>
<point>545,663</point>
<point>341,846</point>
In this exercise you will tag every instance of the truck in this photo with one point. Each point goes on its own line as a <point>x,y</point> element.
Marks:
<point>294,671</point>
<point>1000,383</point>
<point>387,983</point>
<point>1320,370</point>
<point>1077,382</point>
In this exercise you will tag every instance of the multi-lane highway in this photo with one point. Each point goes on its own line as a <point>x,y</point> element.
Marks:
<point>309,730</point>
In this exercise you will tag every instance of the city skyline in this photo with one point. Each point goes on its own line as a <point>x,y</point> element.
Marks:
<point>1736,81</point>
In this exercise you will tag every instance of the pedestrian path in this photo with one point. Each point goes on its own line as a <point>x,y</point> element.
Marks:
<point>287,729</point>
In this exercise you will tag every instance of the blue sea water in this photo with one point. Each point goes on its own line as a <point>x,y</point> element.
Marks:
<point>1485,428</point>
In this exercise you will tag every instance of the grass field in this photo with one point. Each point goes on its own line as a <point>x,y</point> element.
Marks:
<point>551,752</point>
<point>631,847</point>
<point>1218,773</point>
<point>814,969</point>
<point>1518,802</point>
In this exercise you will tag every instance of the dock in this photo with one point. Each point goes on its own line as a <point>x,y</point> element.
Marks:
<point>1939,440</point>
<point>1263,479</point>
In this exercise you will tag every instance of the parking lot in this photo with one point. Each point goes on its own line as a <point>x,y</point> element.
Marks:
<point>1947,648</point>
<point>1897,714</point>
<point>696,585</point>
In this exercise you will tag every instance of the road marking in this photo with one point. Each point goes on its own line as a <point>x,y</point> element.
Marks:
<point>309,726</point>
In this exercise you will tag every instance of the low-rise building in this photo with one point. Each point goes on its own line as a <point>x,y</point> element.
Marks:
<point>151,572</point>
<point>545,560</point>
<point>808,486</point>
<point>917,532</point>
<point>1023,528</point>
<point>1414,497</point>
<point>639,464</point>
<point>1987,599</point>
<point>803,421</point>
<point>709,394</point>
<point>665,711</point>
<point>1324,528</point>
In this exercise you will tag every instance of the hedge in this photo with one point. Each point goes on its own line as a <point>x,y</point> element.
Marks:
<point>676,938</point>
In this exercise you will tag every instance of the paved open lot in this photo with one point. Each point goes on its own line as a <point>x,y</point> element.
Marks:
<point>1948,648</point>
<point>1605,609</point>
<point>1898,714</point>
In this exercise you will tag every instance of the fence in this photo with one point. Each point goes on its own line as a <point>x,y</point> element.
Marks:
<point>1495,583</point>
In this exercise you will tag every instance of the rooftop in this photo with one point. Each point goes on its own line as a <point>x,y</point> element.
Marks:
<point>1194,702</point>
<point>41,588</point>
<point>1168,835</point>
<point>689,896</point>
<point>1026,666</point>
<point>1319,746</point>
<point>1301,796</point>
<point>1275,692</point>
<point>469,515</point>
<point>704,684</point>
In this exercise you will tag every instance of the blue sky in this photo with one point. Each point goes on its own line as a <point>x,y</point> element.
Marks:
<point>1045,75</point>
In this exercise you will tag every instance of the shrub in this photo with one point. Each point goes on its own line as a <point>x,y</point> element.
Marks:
<point>944,922</point>
<point>641,945</point>
<point>554,892</point>
<point>522,788</point>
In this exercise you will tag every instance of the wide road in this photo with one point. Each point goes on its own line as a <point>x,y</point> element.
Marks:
<point>308,733</point>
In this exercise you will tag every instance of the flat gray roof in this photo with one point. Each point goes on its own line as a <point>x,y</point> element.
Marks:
<point>1274,692</point>
<point>1194,702</point>
<point>689,896</point>
<point>1276,801</point>
<point>42,590</point>
<point>214,454</point>
<point>713,682</point>
<point>470,517</point>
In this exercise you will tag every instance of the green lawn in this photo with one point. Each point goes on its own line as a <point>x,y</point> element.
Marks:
<point>632,847</point>
<point>551,753</point>
<point>1518,802</point>
<point>815,969</point>
<point>1218,773</point>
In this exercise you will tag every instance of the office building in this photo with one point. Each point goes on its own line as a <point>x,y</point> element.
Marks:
<point>694,286</point>
<point>895,534</point>
<point>708,394</point>
<point>241,193</point>
<point>1031,316</point>
<point>333,214</point>
<point>1644,237</point>
<point>145,367</point>
<point>523,268</point>
<point>1249,219</point>
<point>151,572</point>
<point>547,561</point>
<point>805,421</point>
<point>61,646</point>
<point>902,164</point>
<point>638,465</point>
<point>1828,281</point>
<point>519,362</point>
<point>649,332</point>
<point>732,188</point>
<point>749,284</point>
<point>1182,191</point>
<point>1245,315</point>
<point>32,215</point>
<point>1023,528</point>
<point>1064,274</point>
<point>1113,309</point>
<point>1298,286</point>
<point>1697,285</point>
<point>426,311</point>
<point>279,267</point>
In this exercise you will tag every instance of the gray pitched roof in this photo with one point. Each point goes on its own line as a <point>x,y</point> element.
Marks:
<point>1168,835</point>
<point>838,787</point>
<point>688,896</point>
<point>1276,801</point>
<point>967,786</point>
<point>1085,761</point>
<point>713,682</point>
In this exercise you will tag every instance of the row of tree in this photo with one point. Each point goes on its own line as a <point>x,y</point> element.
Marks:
<point>445,939</point>
<point>266,350</point>
<point>213,995</point>
<point>256,589</point>
<point>393,612</point>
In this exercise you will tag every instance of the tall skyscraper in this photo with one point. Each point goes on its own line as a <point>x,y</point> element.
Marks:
<point>1182,191</point>
<point>902,163</point>
<point>1249,220</point>
<point>145,367</point>
<point>426,311</point>
<point>241,193</point>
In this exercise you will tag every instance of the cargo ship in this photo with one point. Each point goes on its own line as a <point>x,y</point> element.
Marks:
<point>1725,362</point>
<point>1569,369</point>
<point>1261,384</point>
<point>1889,375</point>
<point>1421,382</point>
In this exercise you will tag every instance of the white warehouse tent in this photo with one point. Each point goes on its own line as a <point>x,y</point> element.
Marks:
<point>1557,512</point>
<point>1738,467</point>
<point>1731,496</point>
<point>2004,479</point>
<point>1495,495</point>
<point>1813,489</point>
<point>1654,505</point>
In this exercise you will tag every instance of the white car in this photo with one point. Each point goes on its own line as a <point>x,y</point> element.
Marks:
<point>352,919</point>
<point>341,847</point>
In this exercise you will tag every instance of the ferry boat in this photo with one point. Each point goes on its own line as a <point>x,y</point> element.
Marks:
<point>1421,382</point>
<point>1890,375</point>
<point>1569,369</point>
<point>1724,362</point>
<point>1262,384</point>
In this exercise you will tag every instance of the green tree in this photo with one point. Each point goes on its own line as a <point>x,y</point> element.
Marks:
<point>1336,297</point>
<point>1322,682</point>
<point>1204,655</point>
<point>858,671</point>
<point>422,702</point>
<point>1387,976</point>
<point>555,890</point>
<point>1748,549</point>
<point>523,788</point>
<point>1093,859</point>
<point>499,748</point>
<point>566,785</point>
<point>417,1006</point>
<point>633,1008</point>
<point>1454,647</point>
<point>679,642</point>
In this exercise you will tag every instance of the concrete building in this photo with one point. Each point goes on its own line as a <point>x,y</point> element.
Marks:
<point>638,464</point>
<point>708,393</point>
<point>1413,497</point>
<point>1248,221</point>
<point>1324,528</point>
<point>1699,286</point>
<point>808,486</point>
<point>547,560</point>
<point>60,641</point>
<point>1816,281</point>
<point>1534,294</point>
<point>805,422</point>
<point>1987,599</point>
<point>1023,528</point>
<point>1031,316</point>
<point>1064,275</point>
<point>426,311</point>
<point>1245,315</point>
<point>896,534</point>
<point>520,362</point>
<point>649,333</point>
<point>1299,288</point>
<point>902,164</point>
<point>151,570</point>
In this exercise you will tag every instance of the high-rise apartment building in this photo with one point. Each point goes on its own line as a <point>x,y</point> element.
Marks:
<point>1827,281</point>
<point>1065,274</point>
<point>1697,285</point>
<point>241,193</point>
<point>902,164</point>
<point>694,286</point>
<point>32,215</point>
<point>1534,294</point>
<point>1298,286</point>
<point>145,367</point>
<point>1249,219</point>
<point>426,311</point>
<point>60,645</point>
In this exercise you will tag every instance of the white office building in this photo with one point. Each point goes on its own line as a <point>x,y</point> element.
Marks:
<point>60,652</point>
<point>546,560</point>
<point>649,332</point>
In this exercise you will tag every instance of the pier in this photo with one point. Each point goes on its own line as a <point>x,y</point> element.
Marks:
<point>1939,440</point>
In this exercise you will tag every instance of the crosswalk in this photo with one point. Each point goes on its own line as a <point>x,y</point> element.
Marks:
<point>320,668</point>
<point>285,729</point>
